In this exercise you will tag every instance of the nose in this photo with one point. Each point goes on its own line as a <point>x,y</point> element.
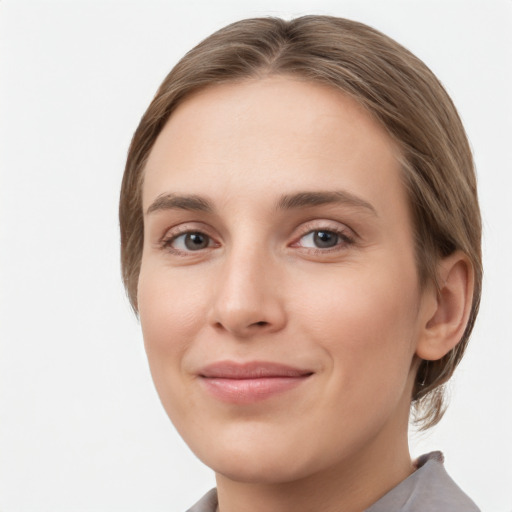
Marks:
<point>248,300</point>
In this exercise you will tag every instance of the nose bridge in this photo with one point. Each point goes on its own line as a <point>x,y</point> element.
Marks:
<point>247,299</point>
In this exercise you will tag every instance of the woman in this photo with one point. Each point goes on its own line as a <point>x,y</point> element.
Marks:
<point>301,239</point>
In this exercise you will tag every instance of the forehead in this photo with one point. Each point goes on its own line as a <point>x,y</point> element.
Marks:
<point>259,135</point>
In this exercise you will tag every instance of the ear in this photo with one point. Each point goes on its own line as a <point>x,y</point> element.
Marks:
<point>445,312</point>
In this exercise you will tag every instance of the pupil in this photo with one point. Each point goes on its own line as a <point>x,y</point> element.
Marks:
<point>195,241</point>
<point>325,239</point>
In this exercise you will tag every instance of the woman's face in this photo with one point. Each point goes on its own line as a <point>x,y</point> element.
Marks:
<point>278,291</point>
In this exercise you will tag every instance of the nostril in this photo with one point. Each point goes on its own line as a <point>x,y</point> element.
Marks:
<point>261,323</point>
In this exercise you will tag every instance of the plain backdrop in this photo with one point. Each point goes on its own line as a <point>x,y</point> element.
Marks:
<point>81,427</point>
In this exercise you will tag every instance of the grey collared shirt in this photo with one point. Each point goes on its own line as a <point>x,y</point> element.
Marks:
<point>428,489</point>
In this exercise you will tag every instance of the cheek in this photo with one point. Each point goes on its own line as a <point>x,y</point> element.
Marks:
<point>366,330</point>
<point>365,322</point>
<point>170,310</point>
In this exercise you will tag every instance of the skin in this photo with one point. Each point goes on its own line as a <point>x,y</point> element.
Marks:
<point>353,314</point>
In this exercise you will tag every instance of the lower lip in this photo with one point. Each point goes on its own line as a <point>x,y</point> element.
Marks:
<point>248,391</point>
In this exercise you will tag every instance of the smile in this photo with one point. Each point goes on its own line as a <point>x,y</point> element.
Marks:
<point>250,382</point>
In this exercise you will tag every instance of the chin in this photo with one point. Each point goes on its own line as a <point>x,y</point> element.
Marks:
<point>258,469</point>
<point>262,459</point>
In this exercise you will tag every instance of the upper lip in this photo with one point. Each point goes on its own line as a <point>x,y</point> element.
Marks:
<point>250,370</point>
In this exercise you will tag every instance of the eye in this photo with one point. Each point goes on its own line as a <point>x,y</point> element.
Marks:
<point>324,239</point>
<point>189,241</point>
<point>320,239</point>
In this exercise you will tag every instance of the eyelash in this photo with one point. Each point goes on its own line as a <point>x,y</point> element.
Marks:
<point>344,240</point>
<point>167,241</point>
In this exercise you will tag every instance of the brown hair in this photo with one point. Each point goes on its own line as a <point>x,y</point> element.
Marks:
<point>395,87</point>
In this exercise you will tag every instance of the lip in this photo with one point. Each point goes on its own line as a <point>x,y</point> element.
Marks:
<point>246,383</point>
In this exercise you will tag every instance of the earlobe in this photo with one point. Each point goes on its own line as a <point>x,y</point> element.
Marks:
<point>445,318</point>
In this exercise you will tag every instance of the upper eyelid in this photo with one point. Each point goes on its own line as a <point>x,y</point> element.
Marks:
<point>326,225</point>
<point>186,227</point>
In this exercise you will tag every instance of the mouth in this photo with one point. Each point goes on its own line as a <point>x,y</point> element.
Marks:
<point>251,382</point>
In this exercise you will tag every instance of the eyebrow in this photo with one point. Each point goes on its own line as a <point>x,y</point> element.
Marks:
<point>310,199</point>
<point>297,200</point>
<point>180,202</point>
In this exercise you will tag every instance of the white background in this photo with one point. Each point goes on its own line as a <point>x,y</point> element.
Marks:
<point>81,427</point>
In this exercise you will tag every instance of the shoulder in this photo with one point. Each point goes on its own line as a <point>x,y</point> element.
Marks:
<point>208,503</point>
<point>428,489</point>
